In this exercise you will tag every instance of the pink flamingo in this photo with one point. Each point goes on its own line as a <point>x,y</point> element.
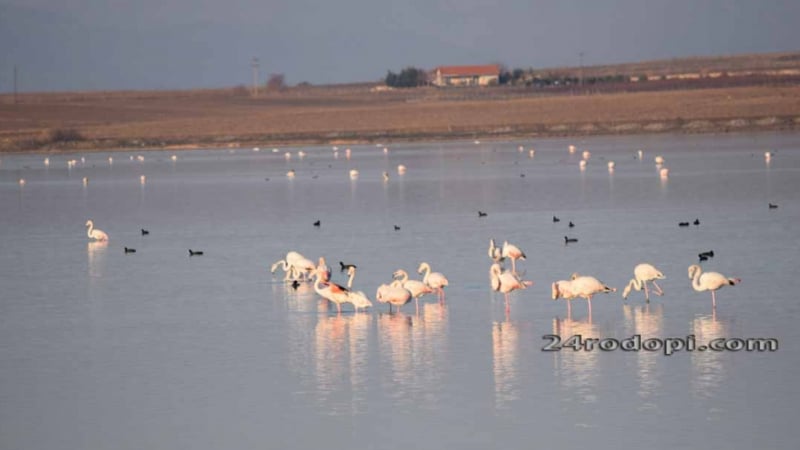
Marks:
<point>506,282</point>
<point>514,253</point>
<point>393,294</point>
<point>585,287</point>
<point>434,280</point>
<point>416,287</point>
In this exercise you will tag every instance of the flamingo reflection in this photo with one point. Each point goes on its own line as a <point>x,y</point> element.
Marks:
<point>96,252</point>
<point>646,321</point>
<point>505,353</point>
<point>577,370</point>
<point>708,370</point>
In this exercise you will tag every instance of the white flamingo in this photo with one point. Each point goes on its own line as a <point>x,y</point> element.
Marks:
<point>393,294</point>
<point>324,271</point>
<point>416,287</point>
<point>94,233</point>
<point>358,299</point>
<point>435,280</point>
<point>495,253</point>
<point>586,287</point>
<point>295,265</point>
<point>505,281</point>
<point>709,281</point>
<point>643,273</point>
<point>514,253</point>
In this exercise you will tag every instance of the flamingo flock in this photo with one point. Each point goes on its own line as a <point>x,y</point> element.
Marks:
<point>401,289</point>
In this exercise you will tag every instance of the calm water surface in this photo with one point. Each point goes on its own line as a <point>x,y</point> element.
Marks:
<point>157,350</point>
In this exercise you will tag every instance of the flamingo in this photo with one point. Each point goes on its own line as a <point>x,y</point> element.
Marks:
<point>393,294</point>
<point>294,265</point>
<point>94,233</point>
<point>357,298</point>
<point>494,252</point>
<point>331,292</point>
<point>435,280</point>
<point>586,287</point>
<point>325,272</point>
<point>563,289</point>
<point>659,160</point>
<point>514,253</point>
<point>416,287</point>
<point>709,281</point>
<point>643,273</point>
<point>505,281</point>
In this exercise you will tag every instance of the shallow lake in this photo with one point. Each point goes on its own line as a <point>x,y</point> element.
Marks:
<point>159,350</point>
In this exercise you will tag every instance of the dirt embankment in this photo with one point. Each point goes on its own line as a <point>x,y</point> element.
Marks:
<point>230,117</point>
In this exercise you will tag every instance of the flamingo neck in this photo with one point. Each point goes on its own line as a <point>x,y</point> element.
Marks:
<point>427,269</point>
<point>696,280</point>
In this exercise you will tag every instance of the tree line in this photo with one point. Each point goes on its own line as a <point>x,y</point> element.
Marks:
<point>414,77</point>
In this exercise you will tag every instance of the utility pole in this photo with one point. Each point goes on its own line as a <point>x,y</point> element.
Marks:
<point>15,84</point>
<point>580,65</point>
<point>254,65</point>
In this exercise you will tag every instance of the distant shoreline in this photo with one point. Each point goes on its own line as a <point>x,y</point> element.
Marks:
<point>711,127</point>
<point>187,120</point>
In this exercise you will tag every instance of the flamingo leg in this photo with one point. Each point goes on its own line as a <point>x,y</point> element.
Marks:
<point>416,299</point>
<point>713,300</point>
<point>338,308</point>
<point>646,294</point>
<point>589,300</point>
<point>514,265</point>
<point>569,308</point>
<point>660,291</point>
<point>508,307</point>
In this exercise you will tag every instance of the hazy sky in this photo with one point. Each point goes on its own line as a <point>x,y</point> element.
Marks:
<point>145,44</point>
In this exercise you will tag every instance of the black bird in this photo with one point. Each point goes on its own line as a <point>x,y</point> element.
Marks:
<point>556,219</point>
<point>773,206</point>
<point>482,214</point>
<point>145,232</point>
<point>702,257</point>
<point>522,175</point>
<point>396,228</point>
<point>683,224</point>
<point>568,240</point>
<point>345,267</point>
<point>195,253</point>
<point>571,225</point>
<point>130,250</point>
<point>708,254</point>
<point>317,223</point>
<point>295,284</point>
<point>697,221</point>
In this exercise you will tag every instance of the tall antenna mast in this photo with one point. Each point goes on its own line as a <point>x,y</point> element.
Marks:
<point>15,84</point>
<point>254,65</point>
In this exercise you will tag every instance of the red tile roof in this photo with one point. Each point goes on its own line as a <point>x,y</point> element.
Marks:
<point>490,69</point>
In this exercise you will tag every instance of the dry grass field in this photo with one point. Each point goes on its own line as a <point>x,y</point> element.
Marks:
<point>353,113</point>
